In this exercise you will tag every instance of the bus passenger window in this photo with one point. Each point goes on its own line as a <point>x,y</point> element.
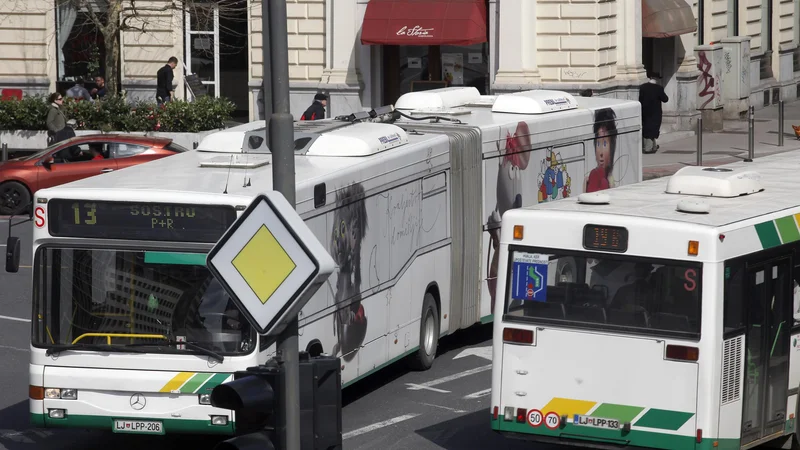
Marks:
<point>796,291</point>
<point>733,307</point>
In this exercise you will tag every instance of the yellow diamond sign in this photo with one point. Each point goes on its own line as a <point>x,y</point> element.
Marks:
<point>263,275</point>
<point>270,263</point>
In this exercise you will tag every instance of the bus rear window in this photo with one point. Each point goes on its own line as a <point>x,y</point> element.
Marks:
<point>637,295</point>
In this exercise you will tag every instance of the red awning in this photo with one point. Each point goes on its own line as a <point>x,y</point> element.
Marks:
<point>424,22</point>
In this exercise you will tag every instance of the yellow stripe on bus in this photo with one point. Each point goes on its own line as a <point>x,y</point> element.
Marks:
<point>568,407</point>
<point>177,381</point>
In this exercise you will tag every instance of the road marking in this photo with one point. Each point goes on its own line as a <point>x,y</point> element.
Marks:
<point>6,347</point>
<point>481,352</point>
<point>17,319</point>
<point>376,426</point>
<point>478,394</point>
<point>419,387</point>
<point>466,373</point>
<point>446,408</point>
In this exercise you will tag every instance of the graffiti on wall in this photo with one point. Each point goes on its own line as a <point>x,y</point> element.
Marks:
<point>708,82</point>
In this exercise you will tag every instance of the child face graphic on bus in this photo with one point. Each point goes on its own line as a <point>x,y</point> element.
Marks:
<point>605,146</point>
<point>512,162</point>
<point>347,233</point>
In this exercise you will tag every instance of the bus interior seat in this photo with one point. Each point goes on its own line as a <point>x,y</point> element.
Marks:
<point>670,322</point>
<point>546,310</point>
<point>592,314</point>
<point>628,318</point>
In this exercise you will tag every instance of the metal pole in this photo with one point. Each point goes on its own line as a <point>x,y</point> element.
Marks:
<point>700,141</point>
<point>780,123</point>
<point>266,73</point>
<point>281,144</point>
<point>4,154</point>
<point>751,138</point>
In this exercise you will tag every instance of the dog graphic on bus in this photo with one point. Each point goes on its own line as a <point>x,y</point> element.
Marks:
<point>347,234</point>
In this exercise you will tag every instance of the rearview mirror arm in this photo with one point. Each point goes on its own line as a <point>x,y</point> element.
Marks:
<point>11,219</point>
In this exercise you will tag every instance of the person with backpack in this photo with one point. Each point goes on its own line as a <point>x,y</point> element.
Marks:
<point>317,109</point>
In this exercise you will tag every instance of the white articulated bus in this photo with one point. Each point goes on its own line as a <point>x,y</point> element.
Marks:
<point>664,314</point>
<point>130,330</point>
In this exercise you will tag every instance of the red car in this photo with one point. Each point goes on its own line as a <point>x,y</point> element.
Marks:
<point>75,159</point>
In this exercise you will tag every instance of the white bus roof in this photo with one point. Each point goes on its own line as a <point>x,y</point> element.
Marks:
<point>713,197</point>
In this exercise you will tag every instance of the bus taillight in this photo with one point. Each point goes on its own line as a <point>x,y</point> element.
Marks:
<point>517,336</point>
<point>521,414</point>
<point>683,353</point>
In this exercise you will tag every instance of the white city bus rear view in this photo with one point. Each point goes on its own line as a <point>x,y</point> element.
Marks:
<point>661,314</point>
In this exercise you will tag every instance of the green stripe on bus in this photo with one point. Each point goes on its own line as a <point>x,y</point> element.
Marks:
<point>195,382</point>
<point>182,259</point>
<point>663,419</point>
<point>213,382</point>
<point>768,234</point>
<point>787,227</point>
<point>623,413</point>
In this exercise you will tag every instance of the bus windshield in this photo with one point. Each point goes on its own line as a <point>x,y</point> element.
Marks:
<point>596,291</point>
<point>134,298</point>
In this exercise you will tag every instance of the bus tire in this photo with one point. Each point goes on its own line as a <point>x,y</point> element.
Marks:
<point>428,335</point>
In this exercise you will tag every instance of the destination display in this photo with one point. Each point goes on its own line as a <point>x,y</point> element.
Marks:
<point>143,221</point>
<point>606,238</point>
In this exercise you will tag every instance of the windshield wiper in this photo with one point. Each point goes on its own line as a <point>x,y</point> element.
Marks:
<point>190,345</point>
<point>91,347</point>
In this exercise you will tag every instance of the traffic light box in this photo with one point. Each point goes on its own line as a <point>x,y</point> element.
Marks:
<point>256,396</point>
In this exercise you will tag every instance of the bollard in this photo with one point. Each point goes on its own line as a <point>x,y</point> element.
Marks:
<point>751,138</point>
<point>700,141</point>
<point>780,123</point>
<point>4,153</point>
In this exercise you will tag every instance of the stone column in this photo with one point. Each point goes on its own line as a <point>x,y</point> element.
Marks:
<point>735,76</point>
<point>629,42</point>
<point>709,89</point>
<point>341,78</point>
<point>517,69</point>
<point>686,107</point>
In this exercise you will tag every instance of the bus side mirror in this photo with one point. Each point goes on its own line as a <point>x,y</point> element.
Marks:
<point>12,254</point>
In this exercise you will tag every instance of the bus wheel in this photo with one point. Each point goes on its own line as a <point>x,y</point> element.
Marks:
<point>428,335</point>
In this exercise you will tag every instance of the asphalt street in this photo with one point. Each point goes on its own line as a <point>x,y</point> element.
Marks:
<point>446,407</point>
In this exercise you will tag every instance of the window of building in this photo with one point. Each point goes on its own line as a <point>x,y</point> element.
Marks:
<point>80,47</point>
<point>733,18</point>
<point>796,54</point>
<point>766,39</point>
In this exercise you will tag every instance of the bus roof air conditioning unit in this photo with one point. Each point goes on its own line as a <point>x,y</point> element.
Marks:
<point>438,99</point>
<point>714,182</point>
<point>534,102</point>
<point>360,139</point>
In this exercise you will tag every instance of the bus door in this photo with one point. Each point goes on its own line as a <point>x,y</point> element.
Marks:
<point>769,320</point>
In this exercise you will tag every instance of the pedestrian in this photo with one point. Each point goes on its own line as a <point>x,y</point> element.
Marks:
<point>317,109</point>
<point>100,90</point>
<point>79,92</point>
<point>651,96</point>
<point>164,91</point>
<point>56,121</point>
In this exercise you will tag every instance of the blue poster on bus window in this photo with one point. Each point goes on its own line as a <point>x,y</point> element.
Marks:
<point>529,277</point>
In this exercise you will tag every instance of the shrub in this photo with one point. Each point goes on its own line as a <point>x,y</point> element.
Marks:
<point>115,114</point>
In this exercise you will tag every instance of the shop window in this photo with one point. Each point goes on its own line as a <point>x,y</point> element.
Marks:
<point>80,45</point>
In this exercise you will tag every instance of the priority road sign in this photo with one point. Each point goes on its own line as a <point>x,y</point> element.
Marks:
<point>270,263</point>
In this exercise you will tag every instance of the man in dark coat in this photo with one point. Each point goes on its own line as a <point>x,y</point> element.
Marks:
<point>164,90</point>
<point>317,109</point>
<point>651,96</point>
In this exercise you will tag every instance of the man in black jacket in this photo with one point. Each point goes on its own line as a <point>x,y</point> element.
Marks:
<point>317,109</point>
<point>164,77</point>
<point>651,96</point>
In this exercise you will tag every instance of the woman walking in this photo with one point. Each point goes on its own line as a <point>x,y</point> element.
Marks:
<point>57,130</point>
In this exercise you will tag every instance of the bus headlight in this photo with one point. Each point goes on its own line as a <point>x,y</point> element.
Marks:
<point>63,394</point>
<point>69,394</point>
<point>204,399</point>
<point>51,393</point>
<point>219,420</point>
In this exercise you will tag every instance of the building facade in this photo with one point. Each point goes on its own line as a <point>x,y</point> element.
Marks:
<point>713,57</point>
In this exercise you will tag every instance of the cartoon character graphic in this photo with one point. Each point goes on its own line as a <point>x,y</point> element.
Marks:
<point>513,161</point>
<point>605,146</point>
<point>349,229</point>
<point>554,181</point>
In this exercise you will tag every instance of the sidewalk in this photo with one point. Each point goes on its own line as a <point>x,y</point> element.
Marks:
<point>727,146</point>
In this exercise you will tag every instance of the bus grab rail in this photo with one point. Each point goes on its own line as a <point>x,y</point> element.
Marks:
<point>119,335</point>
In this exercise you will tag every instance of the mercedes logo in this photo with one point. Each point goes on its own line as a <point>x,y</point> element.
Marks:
<point>138,401</point>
